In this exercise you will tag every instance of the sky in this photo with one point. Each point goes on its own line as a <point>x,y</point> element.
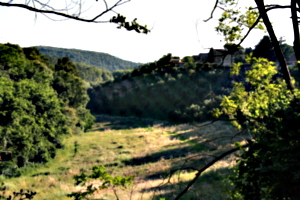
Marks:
<point>177,27</point>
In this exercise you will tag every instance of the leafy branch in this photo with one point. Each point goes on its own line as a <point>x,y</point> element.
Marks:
<point>106,180</point>
<point>46,9</point>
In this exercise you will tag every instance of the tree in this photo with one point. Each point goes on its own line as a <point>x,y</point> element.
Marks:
<point>72,90</point>
<point>32,119</point>
<point>265,104</point>
<point>257,18</point>
<point>264,49</point>
<point>39,104</point>
<point>288,51</point>
<point>188,59</point>
<point>77,9</point>
<point>269,109</point>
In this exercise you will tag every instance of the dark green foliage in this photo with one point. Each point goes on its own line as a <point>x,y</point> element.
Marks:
<point>121,21</point>
<point>32,120</point>
<point>162,65</point>
<point>163,91</point>
<point>68,85</point>
<point>86,118</point>
<point>100,60</point>
<point>93,74</point>
<point>264,49</point>
<point>119,75</point>
<point>71,90</point>
<point>188,59</point>
<point>39,104</point>
<point>288,53</point>
<point>270,168</point>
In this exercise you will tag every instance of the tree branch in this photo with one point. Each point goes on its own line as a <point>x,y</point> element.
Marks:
<point>296,31</point>
<point>273,6</point>
<point>226,136</point>
<point>206,167</point>
<point>60,13</point>
<point>284,68</point>
<point>249,30</point>
<point>212,12</point>
<point>213,121</point>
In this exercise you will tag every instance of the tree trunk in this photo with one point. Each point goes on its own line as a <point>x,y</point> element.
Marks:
<point>282,62</point>
<point>296,31</point>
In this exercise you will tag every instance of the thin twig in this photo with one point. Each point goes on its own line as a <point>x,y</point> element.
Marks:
<point>209,123</point>
<point>206,167</point>
<point>58,13</point>
<point>212,12</point>
<point>226,136</point>
<point>249,30</point>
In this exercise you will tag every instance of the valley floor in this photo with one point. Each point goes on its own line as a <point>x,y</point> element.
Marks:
<point>146,149</point>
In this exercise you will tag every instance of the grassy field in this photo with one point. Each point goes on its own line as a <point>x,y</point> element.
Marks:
<point>143,148</point>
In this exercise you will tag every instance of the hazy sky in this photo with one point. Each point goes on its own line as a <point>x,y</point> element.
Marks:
<point>177,28</point>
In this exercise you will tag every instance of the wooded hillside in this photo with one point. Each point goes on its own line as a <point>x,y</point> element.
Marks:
<point>162,90</point>
<point>100,60</point>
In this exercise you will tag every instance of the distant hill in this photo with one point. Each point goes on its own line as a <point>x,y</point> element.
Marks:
<point>100,60</point>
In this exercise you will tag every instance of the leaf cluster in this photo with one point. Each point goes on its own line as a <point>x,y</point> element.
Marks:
<point>106,181</point>
<point>121,21</point>
<point>234,20</point>
<point>264,106</point>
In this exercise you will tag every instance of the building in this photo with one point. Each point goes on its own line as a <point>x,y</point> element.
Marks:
<point>215,56</point>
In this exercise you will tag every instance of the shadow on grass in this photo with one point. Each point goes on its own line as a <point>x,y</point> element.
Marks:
<point>41,174</point>
<point>178,157</point>
<point>212,185</point>
<point>155,157</point>
<point>118,123</point>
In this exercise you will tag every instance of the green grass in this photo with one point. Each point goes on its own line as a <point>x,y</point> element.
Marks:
<point>132,147</point>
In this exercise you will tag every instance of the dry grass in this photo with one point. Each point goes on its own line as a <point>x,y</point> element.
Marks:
<point>128,147</point>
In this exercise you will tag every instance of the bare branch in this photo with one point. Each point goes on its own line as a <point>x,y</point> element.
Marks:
<point>212,12</point>
<point>105,4</point>
<point>109,9</point>
<point>206,167</point>
<point>48,12</point>
<point>51,10</point>
<point>273,6</point>
<point>209,123</point>
<point>249,30</point>
<point>226,136</point>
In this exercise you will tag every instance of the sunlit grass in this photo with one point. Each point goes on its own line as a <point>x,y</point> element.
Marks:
<point>148,153</point>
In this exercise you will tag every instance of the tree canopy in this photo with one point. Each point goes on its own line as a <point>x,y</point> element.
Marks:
<point>266,104</point>
<point>235,20</point>
<point>39,104</point>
